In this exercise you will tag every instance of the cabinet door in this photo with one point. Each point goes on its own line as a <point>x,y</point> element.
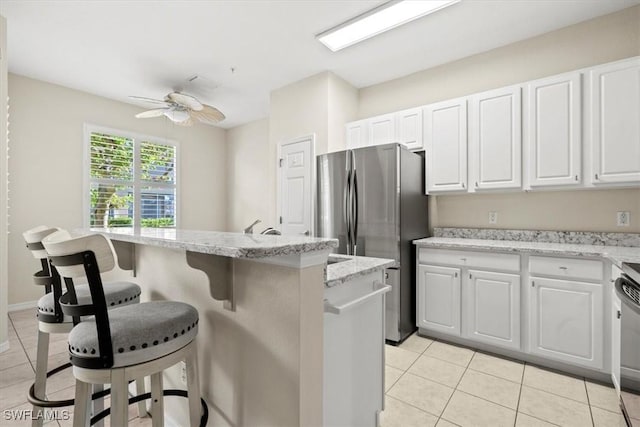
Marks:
<point>495,139</point>
<point>410,128</point>
<point>356,134</point>
<point>493,308</point>
<point>445,137</point>
<point>554,130</point>
<point>439,299</point>
<point>615,122</point>
<point>616,324</point>
<point>566,321</point>
<point>382,129</point>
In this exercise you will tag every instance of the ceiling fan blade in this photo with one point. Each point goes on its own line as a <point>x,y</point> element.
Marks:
<point>185,100</point>
<point>157,112</point>
<point>208,115</point>
<point>150,100</point>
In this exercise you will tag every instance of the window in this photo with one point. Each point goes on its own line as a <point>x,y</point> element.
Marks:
<point>131,180</point>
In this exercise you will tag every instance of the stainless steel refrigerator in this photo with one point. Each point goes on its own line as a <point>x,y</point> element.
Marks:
<point>372,200</point>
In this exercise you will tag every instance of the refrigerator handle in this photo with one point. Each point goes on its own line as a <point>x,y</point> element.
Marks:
<point>354,217</point>
<point>347,208</point>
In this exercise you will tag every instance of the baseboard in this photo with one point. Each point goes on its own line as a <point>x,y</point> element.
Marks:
<point>22,306</point>
<point>4,346</point>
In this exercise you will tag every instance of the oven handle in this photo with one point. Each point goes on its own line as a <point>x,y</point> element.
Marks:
<point>628,302</point>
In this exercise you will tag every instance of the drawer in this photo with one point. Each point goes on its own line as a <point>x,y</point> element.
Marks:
<point>480,260</point>
<point>566,267</point>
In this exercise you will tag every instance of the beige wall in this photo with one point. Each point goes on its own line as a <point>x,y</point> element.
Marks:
<point>46,166</point>
<point>600,40</point>
<point>343,108</point>
<point>3,186</point>
<point>248,195</point>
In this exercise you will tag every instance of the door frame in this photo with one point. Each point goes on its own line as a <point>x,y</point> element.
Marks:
<point>309,137</point>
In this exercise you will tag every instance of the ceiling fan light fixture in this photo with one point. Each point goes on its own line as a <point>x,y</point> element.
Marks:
<point>177,116</point>
<point>376,21</point>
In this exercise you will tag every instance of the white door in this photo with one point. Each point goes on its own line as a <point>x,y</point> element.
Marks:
<point>495,139</point>
<point>410,128</point>
<point>554,130</point>
<point>296,167</point>
<point>439,299</point>
<point>356,134</point>
<point>493,308</point>
<point>615,122</point>
<point>445,138</point>
<point>566,321</point>
<point>382,129</point>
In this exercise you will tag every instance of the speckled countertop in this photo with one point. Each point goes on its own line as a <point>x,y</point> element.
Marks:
<point>233,245</point>
<point>352,267</point>
<point>617,254</point>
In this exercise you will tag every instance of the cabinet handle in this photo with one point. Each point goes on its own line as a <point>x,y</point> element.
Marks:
<point>596,177</point>
<point>619,314</point>
<point>533,284</point>
<point>463,259</point>
<point>577,178</point>
<point>476,184</point>
<point>455,274</point>
<point>469,275</point>
<point>463,185</point>
<point>562,268</point>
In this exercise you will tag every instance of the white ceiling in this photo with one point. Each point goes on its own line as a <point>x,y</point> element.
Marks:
<point>148,48</point>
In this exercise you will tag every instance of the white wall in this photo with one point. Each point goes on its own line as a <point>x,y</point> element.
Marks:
<point>4,277</point>
<point>46,166</point>
<point>249,196</point>
<point>604,39</point>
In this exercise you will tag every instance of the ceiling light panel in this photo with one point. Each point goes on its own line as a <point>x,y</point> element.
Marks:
<point>379,20</point>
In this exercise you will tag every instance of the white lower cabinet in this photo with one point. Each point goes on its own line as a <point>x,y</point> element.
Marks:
<point>493,308</point>
<point>439,299</point>
<point>566,321</point>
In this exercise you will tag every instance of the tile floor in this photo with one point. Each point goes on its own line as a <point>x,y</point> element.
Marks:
<point>428,383</point>
<point>17,372</point>
<point>432,383</point>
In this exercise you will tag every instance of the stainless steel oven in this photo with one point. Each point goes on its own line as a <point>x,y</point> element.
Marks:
<point>628,290</point>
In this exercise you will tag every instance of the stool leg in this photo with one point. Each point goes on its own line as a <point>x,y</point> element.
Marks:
<point>142,405</point>
<point>193,387</point>
<point>119,398</point>
<point>157,400</point>
<point>98,404</point>
<point>40,386</point>
<point>81,408</point>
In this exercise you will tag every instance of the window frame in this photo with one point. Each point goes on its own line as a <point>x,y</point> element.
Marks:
<point>136,183</point>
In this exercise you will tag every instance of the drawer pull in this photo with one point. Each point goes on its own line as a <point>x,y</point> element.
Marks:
<point>463,259</point>
<point>619,314</point>
<point>533,284</point>
<point>455,274</point>
<point>562,268</point>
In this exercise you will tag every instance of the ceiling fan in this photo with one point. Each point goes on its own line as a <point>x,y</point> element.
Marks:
<point>182,109</point>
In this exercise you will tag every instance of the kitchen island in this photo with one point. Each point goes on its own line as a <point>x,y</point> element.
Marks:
<point>260,300</point>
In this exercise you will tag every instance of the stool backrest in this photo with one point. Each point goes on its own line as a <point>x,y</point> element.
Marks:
<point>80,257</point>
<point>33,239</point>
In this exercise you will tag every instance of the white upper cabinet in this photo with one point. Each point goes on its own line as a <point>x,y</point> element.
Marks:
<point>382,129</point>
<point>410,128</point>
<point>445,137</point>
<point>614,127</point>
<point>553,130</point>
<point>357,134</point>
<point>495,139</point>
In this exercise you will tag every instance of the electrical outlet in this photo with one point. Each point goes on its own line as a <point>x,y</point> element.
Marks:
<point>493,217</point>
<point>183,372</point>
<point>623,219</point>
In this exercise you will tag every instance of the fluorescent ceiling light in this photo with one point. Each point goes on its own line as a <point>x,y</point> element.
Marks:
<point>383,18</point>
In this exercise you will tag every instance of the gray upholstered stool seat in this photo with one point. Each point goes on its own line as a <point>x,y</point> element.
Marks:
<point>115,293</point>
<point>139,333</point>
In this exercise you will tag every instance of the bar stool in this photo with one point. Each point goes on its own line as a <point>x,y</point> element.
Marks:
<point>51,319</point>
<point>123,343</point>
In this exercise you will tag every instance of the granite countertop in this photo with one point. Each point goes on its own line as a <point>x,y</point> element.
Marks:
<point>617,254</point>
<point>352,267</point>
<point>233,245</point>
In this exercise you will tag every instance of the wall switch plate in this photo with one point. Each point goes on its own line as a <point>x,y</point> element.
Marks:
<point>623,219</point>
<point>493,217</point>
<point>183,372</point>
